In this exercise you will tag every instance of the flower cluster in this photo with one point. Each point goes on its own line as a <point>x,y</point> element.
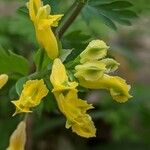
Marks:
<point>91,71</point>
<point>69,104</point>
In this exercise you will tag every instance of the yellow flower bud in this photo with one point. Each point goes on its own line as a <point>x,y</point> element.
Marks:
<point>18,138</point>
<point>59,77</point>
<point>117,86</point>
<point>96,50</point>
<point>31,96</point>
<point>43,22</point>
<point>92,70</point>
<point>3,80</point>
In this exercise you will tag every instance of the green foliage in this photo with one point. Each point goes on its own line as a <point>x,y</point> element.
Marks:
<point>76,40</point>
<point>13,63</point>
<point>47,62</point>
<point>19,85</point>
<point>109,12</point>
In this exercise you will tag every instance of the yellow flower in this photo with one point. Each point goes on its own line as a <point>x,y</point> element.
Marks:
<point>3,80</point>
<point>75,111</point>
<point>69,104</point>
<point>96,50</point>
<point>59,77</point>
<point>18,138</point>
<point>92,70</point>
<point>91,73</point>
<point>117,86</point>
<point>43,22</point>
<point>31,96</point>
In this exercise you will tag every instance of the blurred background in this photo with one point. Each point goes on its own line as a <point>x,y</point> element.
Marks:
<point>119,126</point>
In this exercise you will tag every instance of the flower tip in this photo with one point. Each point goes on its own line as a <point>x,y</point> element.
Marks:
<point>18,137</point>
<point>122,99</point>
<point>3,80</point>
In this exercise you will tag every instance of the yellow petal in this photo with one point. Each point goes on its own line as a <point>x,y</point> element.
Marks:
<point>48,41</point>
<point>96,50</point>
<point>43,13</point>
<point>59,78</point>
<point>85,127</point>
<point>58,75</point>
<point>18,138</point>
<point>117,86</point>
<point>31,96</point>
<point>20,108</point>
<point>75,111</point>
<point>92,70</point>
<point>55,19</point>
<point>3,80</point>
<point>33,7</point>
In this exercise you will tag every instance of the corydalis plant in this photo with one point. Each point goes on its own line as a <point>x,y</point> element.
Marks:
<point>90,69</point>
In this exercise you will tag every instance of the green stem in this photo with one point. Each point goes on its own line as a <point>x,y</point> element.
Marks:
<point>41,60</point>
<point>70,16</point>
<point>72,64</point>
<point>38,75</point>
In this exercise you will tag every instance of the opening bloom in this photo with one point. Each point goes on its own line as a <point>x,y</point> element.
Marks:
<point>93,73</point>
<point>69,104</point>
<point>117,86</point>
<point>31,96</point>
<point>18,138</point>
<point>3,80</point>
<point>43,22</point>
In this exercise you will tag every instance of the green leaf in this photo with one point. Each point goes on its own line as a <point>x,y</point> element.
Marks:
<point>64,53</point>
<point>76,40</point>
<point>23,10</point>
<point>108,22</point>
<point>39,109</point>
<point>12,93</point>
<point>88,13</point>
<point>117,5</point>
<point>97,2</point>
<point>113,15</point>
<point>128,14</point>
<point>19,85</point>
<point>13,63</point>
<point>46,61</point>
<point>110,12</point>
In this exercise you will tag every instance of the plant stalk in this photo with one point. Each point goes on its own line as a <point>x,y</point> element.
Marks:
<point>70,16</point>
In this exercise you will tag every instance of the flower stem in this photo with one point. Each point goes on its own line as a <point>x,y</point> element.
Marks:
<point>70,16</point>
<point>40,60</point>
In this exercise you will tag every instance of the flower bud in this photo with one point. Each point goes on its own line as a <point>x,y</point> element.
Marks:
<point>18,138</point>
<point>96,50</point>
<point>3,80</point>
